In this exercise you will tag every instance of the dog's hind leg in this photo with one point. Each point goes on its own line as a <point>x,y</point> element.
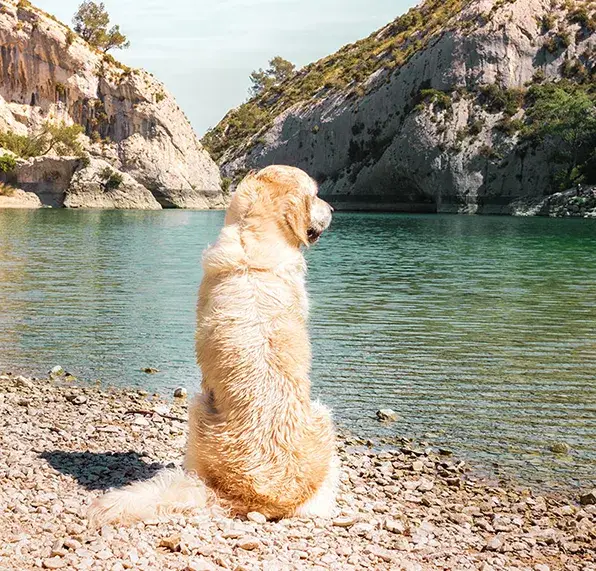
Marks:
<point>323,503</point>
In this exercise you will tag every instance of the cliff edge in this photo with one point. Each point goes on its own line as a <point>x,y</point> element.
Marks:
<point>49,75</point>
<point>442,110</point>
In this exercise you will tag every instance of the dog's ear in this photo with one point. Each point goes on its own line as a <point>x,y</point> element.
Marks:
<point>297,215</point>
<point>243,199</point>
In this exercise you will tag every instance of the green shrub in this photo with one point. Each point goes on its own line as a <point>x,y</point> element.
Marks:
<point>581,17</point>
<point>489,152</point>
<point>112,179</point>
<point>7,163</point>
<point>159,97</point>
<point>225,184</point>
<point>558,42</point>
<point>439,99</point>
<point>6,189</point>
<point>547,23</point>
<point>509,126</point>
<point>498,99</point>
<point>563,116</point>
<point>475,127</point>
<point>84,160</point>
<point>539,76</point>
<point>70,37</point>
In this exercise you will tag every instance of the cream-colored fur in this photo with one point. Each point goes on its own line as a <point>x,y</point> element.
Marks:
<point>255,437</point>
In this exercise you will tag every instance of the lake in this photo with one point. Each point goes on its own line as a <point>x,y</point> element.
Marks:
<point>480,332</point>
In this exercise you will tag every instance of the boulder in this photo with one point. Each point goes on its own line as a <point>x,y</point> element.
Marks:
<point>99,185</point>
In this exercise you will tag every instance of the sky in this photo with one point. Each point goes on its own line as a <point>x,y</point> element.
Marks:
<point>204,50</point>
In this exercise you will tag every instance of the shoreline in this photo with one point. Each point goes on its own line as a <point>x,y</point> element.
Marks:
<point>402,507</point>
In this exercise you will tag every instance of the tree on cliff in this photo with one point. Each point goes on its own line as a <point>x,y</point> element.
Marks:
<point>564,115</point>
<point>91,23</point>
<point>278,71</point>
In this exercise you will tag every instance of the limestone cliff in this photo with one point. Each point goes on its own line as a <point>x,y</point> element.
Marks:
<point>425,114</point>
<point>48,73</point>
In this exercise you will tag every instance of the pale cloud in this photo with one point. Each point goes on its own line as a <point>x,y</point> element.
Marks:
<point>204,50</point>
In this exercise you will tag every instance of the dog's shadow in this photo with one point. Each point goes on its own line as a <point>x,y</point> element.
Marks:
<point>100,471</point>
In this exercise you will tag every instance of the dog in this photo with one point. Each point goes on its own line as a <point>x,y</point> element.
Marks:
<point>256,440</point>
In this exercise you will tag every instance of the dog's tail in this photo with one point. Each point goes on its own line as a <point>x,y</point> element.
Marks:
<point>169,491</point>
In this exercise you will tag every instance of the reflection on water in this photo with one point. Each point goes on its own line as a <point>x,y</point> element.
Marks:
<point>480,332</point>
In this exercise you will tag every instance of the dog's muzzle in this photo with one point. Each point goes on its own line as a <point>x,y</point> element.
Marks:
<point>320,219</point>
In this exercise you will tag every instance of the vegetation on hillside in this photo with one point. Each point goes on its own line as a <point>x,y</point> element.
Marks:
<point>278,71</point>
<point>347,69</point>
<point>59,138</point>
<point>91,22</point>
<point>563,116</point>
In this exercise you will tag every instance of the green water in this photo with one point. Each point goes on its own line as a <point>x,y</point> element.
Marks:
<point>480,332</point>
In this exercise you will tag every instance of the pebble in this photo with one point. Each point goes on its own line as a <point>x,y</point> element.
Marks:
<point>248,543</point>
<point>494,543</point>
<point>387,415</point>
<point>560,448</point>
<point>588,499</point>
<point>396,506</point>
<point>53,563</point>
<point>347,521</point>
<point>180,393</point>
<point>256,517</point>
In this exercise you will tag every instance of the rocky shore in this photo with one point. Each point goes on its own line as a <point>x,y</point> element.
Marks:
<point>400,507</point>
<point>579,202</point>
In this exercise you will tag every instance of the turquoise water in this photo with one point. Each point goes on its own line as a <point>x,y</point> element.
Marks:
<point>480,332</point>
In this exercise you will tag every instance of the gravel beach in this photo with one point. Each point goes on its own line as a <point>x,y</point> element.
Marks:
<point>62,444</point>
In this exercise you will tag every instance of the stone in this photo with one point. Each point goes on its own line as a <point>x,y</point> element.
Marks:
<point>171,542</point>
<point>57,370</point>
<point>589,498</point>
<point>150,370</point>
<point>54,563</point>
<point>200,564</point>
<point>387,415</point>
<point>180,393</point>
<point>494,543</point>
<point>345,521</point>
<point>248,543</point>
<point>256,517</point>
<point>560,448</point>
<point>394,526</point>
<point>418,466</point>
<point>414,155</point>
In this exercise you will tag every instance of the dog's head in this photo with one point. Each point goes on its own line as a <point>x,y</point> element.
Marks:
<point>284,196</point>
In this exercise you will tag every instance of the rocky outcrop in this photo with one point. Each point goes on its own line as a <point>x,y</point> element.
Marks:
<point>46,177</point>
<point>17,198</point>
<point>417,133</point>
<point>578,202</point>
<point>98,185</point>
<point>48,73</point>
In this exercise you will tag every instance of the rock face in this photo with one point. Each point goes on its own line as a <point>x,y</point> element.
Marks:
<point>376,144</point>
<point>97,185</point>
<point>48,73</point>
<point>19,199</point>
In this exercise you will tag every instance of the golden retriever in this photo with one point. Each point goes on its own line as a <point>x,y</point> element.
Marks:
<point>255,438</point>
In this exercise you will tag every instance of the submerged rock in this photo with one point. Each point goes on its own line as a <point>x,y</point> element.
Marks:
<point>387,415</point>
<point>560,448</point>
